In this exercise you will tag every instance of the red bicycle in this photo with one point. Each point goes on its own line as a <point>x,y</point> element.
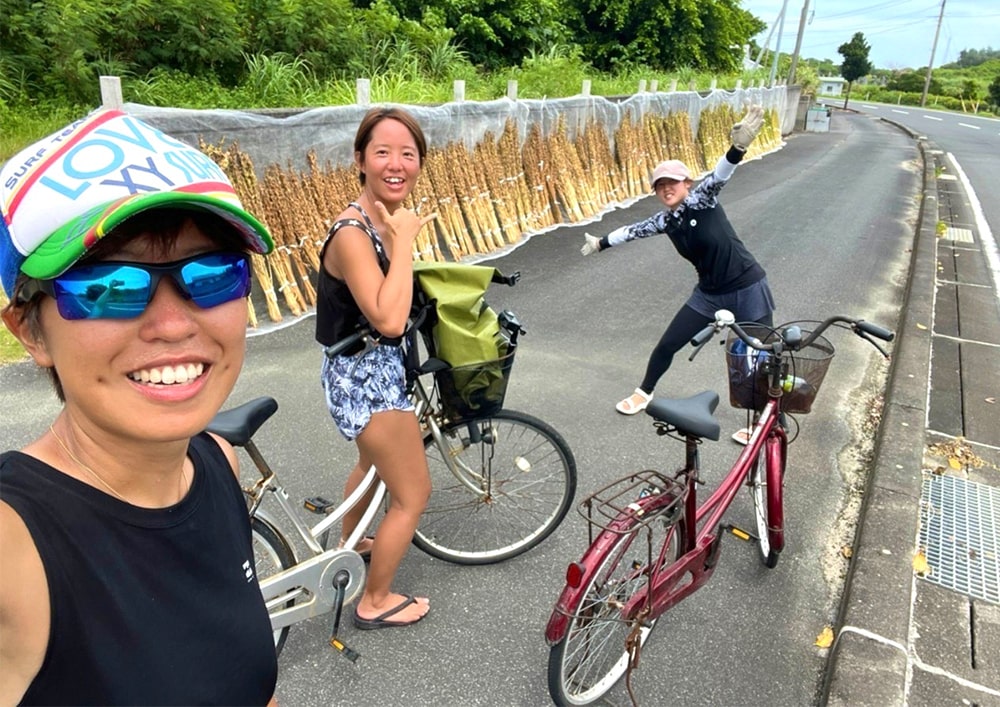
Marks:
<point>651,543</point>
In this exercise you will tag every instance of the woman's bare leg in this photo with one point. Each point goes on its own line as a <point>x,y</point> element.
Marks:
<point>392,442</point>
<point>353,516</point>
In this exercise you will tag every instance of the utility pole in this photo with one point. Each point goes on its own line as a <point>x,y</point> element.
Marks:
<point>777,44</point>
<point>798,43</point>
<point>930,65</point>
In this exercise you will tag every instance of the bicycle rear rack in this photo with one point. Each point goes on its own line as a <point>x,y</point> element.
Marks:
<point>609,507</point>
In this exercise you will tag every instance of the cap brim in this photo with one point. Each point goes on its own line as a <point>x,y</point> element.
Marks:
<point>68,244</point>
<point>674,177</point>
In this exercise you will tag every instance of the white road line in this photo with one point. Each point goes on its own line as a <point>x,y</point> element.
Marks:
<point>904,112</point>
<point>966,125</point>
<point>933,117</point>
<point>872,107</point>
<point>985,235</point>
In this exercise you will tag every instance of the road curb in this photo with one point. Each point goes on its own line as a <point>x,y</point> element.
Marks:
<point>869,661</point>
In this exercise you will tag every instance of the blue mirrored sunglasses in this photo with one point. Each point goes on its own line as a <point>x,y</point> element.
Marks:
<point>121,290</point>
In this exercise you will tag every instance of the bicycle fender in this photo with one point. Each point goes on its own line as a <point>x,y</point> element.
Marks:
<point>558,623</point>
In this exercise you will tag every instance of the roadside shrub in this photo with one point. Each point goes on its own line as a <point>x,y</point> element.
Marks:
<point>173,89</point>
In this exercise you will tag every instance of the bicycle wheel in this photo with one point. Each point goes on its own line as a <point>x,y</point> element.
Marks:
<point>592,655</point>
<point>765,480</point>
<point>272,554</point>
<point>515,481</point>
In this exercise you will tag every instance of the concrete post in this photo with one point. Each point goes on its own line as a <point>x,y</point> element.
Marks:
<point>363,92</point>
<point>111,92</point>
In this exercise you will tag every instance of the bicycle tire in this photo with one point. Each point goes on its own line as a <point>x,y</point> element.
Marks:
<point>765,481</point>
<point>592,655</point>
<point>272,554</point>
<point>527,476</point>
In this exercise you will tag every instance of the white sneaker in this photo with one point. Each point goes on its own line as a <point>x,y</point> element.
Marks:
<point>634,403</point>
<point>743,436</point>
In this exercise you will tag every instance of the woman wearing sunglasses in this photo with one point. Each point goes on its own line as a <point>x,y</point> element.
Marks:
<point>366,282</point>
<point>126,565</point>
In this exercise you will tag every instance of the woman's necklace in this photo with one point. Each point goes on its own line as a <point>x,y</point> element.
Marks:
<point>97,476</point>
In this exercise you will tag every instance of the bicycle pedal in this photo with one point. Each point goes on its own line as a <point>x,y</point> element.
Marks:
<point>318,505</point>
<point>341,647</point>
<point>741,534</point>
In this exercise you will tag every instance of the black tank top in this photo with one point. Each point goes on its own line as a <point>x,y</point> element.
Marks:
<point>705,238</point>
<point>148,606</point>
<point>337,313</point>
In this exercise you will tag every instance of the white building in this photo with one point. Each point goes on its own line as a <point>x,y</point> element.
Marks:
<point>831,85</point>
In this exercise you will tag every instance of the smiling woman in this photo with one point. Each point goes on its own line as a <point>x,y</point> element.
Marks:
<point>124,258</point>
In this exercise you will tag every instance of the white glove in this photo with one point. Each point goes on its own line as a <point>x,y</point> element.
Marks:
<point>744,132</point>
<point>592,244</point>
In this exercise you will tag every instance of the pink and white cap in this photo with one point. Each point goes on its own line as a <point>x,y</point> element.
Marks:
<point>671,169</point>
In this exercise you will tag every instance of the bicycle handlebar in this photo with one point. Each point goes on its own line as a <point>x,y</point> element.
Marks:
<point>790,337</point>
<point>509,280</point>
<point>344,344</point>
<point>507,319</point>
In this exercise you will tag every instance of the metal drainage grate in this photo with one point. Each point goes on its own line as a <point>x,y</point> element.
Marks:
<point>963,235</point>
<point>960,535</point>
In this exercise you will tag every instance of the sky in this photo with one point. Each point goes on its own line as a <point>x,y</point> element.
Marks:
<point>899,32</point>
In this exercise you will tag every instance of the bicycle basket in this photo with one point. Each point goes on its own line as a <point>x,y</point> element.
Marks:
<point>474,390</point>
<point>748,381</point>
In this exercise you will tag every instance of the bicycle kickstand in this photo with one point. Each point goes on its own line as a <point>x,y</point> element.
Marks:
<point>633,644</point>
<point>340,582</point>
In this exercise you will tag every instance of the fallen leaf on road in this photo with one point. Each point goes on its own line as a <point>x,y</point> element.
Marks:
<point>825,637</point>
<point>920,565</point>
<point>846,551</point>
<point>991,401</point>
<point>960,454</point>
<point>921,326</point>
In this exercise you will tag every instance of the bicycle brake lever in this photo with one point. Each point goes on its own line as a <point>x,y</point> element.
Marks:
<point>871,341</point>
<point>698,349</point>
<point>370,343</point>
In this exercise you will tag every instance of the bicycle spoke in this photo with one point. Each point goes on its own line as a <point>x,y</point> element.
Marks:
<point>524,478</point>
<point>594,654</point>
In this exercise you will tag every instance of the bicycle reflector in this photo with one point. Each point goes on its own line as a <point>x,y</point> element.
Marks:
<point>574,574</point>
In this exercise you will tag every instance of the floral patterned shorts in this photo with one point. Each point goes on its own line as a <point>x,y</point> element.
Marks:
<point>361,385</point>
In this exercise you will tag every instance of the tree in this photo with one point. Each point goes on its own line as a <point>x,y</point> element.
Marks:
<point>912,82</point>
<point>994,91</point>
<point>972,93</point>
<point>662,34</point>
<point>856,62</point>
<point>324,34</point>
<point>492,33</point>
<point>974,57</point>
<point>823,67</point>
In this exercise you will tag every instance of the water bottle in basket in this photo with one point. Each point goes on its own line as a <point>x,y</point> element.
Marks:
<point>796,384</point>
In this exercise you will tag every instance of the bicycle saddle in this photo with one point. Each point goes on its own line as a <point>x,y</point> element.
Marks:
<point>238,425</point>
<point>691,416</point>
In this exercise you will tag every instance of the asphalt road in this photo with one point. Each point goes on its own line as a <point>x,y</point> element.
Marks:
<point>830,217</point>
<point>972,143</point>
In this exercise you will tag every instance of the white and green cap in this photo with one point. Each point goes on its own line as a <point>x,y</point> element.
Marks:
<point>60,196</point>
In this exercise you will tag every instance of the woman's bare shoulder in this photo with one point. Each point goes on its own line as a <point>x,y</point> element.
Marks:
<point>24,607</point>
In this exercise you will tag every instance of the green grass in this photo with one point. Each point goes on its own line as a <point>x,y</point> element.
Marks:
<point>10,348</point>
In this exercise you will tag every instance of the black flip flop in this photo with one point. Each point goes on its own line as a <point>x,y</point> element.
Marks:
<point>381,621</point>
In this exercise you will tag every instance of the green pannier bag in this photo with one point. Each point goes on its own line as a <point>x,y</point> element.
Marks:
<point>462,330</point>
